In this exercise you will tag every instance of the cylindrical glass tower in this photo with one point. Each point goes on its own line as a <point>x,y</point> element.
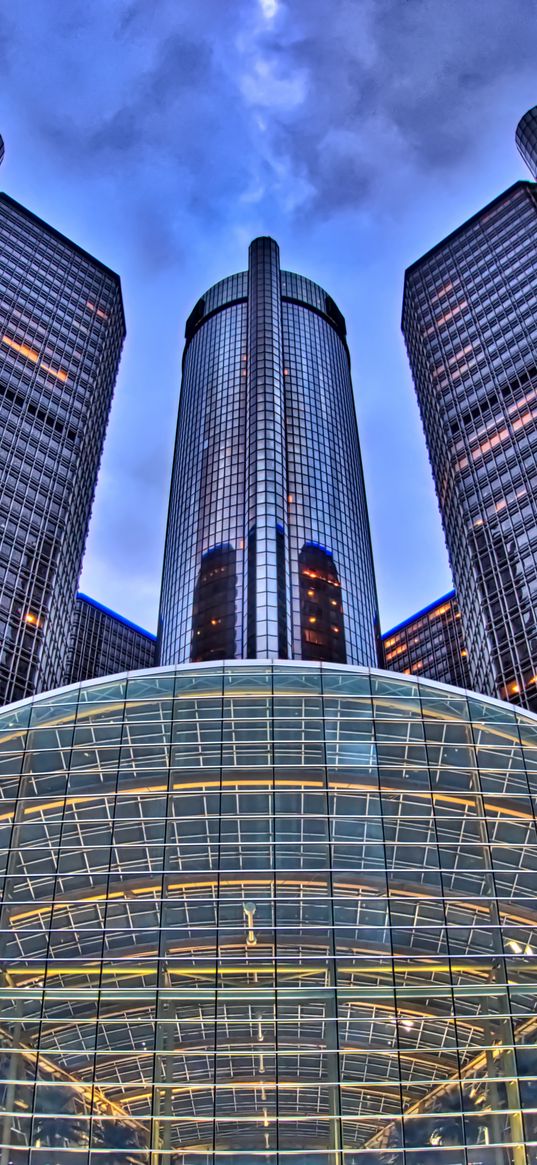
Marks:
<point>268,915</point>
<point>526,139</point>
<point>268,549</point>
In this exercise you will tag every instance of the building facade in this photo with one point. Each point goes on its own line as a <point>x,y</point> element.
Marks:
<point>526,139</point>
<point>470,325</point>
<point>103,643</point>
<point>430,644</point>
<point>273,914</point>
<point>61,332</point>
<point>268,550</point>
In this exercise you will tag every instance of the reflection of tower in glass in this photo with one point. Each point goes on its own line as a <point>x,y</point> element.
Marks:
<point>268,549</point>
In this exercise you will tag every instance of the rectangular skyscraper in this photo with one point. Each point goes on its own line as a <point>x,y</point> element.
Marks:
<point>61,333</point>
<point>104,643</point>
<point>429,644</point>
<point>470,325</point>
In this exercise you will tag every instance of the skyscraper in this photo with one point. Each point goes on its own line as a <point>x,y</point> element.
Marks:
<point>430,643</point>
<point>103,643</point>
<point>61,332</point>
<point>470,325</point>
<point>526,139</point>
<point>268,549</point>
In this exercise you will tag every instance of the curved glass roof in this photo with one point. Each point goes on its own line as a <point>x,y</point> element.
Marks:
<point>268,912</point>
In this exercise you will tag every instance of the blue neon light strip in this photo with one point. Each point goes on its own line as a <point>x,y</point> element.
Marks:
<point>419,614</point>
<point>114,615</point>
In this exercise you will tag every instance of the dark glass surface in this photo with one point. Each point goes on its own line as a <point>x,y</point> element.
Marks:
<point>267,459</point>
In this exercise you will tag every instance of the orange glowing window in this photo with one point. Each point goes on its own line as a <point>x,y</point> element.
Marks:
<point>442,291</point>
<point>31,354</point>
<point>460,354</point>
<point>24,350</point>
<point>32,619</point>
<point>98,311</point>
<point>59,373</point>
<point>448,315</point>
<point>396,651</point>
<point>522,421</point>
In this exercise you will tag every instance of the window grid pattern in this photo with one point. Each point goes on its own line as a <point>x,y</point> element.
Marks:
<point>268,914</point>
<point>266,456</point>
<point>526,139</point>
<point>103,644</point>
<point>470,325</point>
<point>267,462</point>
<point>431,644</point>
<point>326,501</point>
<point>61,332</point>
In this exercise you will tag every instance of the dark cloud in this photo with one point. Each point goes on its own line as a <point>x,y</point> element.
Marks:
<point>162,136</point>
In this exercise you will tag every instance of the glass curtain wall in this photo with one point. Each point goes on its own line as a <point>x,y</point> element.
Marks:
<point>268,914</point>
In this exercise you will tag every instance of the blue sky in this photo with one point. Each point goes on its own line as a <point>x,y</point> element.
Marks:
<point>164,136</point>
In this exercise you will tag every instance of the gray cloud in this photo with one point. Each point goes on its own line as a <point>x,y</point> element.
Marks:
<point>210,102</point>
<point>162,136</point>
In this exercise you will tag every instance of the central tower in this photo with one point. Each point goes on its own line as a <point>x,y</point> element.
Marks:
<point>268,549</point>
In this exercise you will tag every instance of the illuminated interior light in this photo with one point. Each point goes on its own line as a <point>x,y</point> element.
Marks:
<point>59,373</point>
<point>515,947</point>
<point>98,311</point>
<point>31,354</point>
<point>312,619</point>
<point>448,315</point>
<point>442,291</point>
<point>32,619</point>
<point>23,349</point>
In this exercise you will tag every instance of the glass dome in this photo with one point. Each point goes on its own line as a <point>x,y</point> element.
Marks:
<point>260,913</point>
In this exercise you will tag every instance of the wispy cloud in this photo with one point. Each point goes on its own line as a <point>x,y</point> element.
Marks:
<point>163,136</point>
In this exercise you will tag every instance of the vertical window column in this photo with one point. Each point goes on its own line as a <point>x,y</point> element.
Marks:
<point>266,480</point>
